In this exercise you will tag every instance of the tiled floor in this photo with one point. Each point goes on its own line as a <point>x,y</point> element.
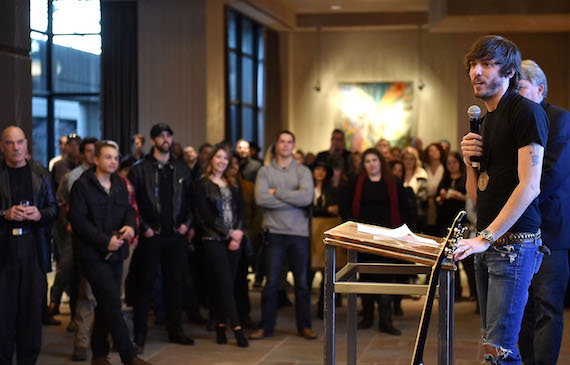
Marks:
<point>287,348</point>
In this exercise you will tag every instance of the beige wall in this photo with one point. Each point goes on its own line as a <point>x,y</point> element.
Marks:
<point>172,64</point>
<point>181,73</point>
<point>391,55</point>
<point>371,56</point>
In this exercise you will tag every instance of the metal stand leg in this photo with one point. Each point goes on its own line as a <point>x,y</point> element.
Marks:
<point>446,317</point>
<point>351,316</point>
<point>329,302</point>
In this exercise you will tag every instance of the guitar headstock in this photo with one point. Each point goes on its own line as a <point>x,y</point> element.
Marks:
<point>455,232</point>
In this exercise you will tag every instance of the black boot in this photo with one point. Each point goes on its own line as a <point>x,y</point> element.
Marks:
<point>221,334</point>
<point>385,312</point>
<point>367,312</point>
<point>240,337</point>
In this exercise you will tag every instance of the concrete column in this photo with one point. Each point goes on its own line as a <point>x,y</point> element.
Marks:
<point>15,74</point>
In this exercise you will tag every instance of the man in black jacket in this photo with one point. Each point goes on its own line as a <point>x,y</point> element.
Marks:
<point>27,210</point>
<point>543,321</point>
<point>162,188</point>
<point>103,221</point>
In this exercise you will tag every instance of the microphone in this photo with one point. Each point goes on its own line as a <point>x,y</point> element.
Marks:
<point>474,112</point>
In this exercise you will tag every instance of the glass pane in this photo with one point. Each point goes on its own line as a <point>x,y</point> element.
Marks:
<point>260,44</point>
<point>246,36</point>
<point>76,16</point>
<point>38,57</point>
<point>247,80</point>
<point>39,133</point>
<point>232,73</point>
<point>260,85</point>
<point>232,30</point>
<point>234,123</point>
<point>76,63</point>
<point>38,15</point>
<point>247,123</point>
<point>77,114</point>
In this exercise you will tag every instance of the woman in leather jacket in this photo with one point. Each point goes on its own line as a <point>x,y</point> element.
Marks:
<point>221,215</point>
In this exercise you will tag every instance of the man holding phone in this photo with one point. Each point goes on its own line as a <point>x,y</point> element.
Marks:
<point>103,221</point>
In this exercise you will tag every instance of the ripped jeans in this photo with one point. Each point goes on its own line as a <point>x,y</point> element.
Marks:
<point>503,275</point>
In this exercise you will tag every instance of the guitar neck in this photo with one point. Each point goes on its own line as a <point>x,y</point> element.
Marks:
<point>417,359</point>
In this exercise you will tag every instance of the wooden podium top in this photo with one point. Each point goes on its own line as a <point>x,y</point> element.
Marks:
<point>347,236</point>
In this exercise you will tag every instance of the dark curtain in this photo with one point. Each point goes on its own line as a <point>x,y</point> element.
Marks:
<point>273,116</point>
<point>119,72</point>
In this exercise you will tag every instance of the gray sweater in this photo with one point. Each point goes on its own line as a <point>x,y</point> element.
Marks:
<point>286,212</point>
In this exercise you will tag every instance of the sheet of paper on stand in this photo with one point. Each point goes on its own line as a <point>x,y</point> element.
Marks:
<point>402,232</point>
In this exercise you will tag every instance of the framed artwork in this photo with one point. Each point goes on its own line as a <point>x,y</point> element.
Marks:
<point>370,111</point>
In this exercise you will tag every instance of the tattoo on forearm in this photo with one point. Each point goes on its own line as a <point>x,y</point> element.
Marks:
<point>534,156</point>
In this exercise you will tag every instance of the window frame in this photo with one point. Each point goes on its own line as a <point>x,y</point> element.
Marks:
<point>258,111</point>
<point>49,94</point>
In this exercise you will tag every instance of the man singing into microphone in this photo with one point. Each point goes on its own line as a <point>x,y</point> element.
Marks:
<point>505,189</point>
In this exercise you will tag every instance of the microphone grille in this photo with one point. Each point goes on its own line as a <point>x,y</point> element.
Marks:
<point>474,111</point>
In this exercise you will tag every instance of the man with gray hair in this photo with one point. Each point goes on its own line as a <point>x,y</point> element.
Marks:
<point>541,331</point>
<point>27,211</point>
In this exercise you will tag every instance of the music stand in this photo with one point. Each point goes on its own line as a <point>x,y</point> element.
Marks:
<point>421,258</point>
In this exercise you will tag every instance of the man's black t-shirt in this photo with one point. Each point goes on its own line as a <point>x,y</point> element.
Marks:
<point>517,122</point>
<point>165,193</point>
<point>21,190</point>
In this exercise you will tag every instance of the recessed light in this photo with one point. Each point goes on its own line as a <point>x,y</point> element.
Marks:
<point>336,7</point>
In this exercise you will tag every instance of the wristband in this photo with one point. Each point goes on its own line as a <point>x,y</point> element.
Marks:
<point>467,163</point>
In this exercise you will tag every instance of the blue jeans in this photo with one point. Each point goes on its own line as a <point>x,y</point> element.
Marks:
<point>503,275</point>
<point>296,248</point>
<point>543,321</point>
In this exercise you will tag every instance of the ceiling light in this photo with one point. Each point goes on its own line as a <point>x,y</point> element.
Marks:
<point>336,7</point>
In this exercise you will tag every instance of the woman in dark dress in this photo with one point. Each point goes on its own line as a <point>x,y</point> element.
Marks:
<point>451,192</point>
<point>221,214</point>
<point>450,201</point>
<point>375,197</point>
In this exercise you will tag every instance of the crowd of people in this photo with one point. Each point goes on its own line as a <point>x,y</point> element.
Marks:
<point>178,230</point>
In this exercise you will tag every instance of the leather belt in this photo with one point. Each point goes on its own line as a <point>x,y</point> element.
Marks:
<point>20,231</point>
<point>517,237</point>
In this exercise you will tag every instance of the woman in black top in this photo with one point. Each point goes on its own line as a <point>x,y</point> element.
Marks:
<point>325,199</point>
<point>450,201</point>
<point>221,213</point>
<point>451,192</point>
<point>375,197</point>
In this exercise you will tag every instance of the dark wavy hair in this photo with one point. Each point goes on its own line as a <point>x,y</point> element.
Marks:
<point>208,169</point>
<point>456,155</point>
<point>501,51</point>
<point>385,168</point>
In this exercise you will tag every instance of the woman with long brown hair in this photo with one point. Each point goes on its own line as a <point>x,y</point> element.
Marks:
<point>221,215</point>
<point>375,197</point>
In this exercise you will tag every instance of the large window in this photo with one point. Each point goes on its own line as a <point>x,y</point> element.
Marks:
<point>65,55</point>
<point>244,79</point>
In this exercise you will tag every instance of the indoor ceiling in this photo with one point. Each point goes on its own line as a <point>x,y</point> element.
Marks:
<point>355,6</point>
<point>439,15</point>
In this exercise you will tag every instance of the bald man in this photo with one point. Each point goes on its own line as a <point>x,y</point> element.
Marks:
<point>27,210</point>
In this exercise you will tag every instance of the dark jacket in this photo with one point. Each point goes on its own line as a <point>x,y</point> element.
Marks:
<point>209,204</point>
<point>249,169</point>
<point>43,199</point>
<point>329,197</point>
<point>96,216</point>
<point>144,177</point>
<point>555,189</point>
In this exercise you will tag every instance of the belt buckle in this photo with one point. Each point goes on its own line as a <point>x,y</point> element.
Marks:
<point>17,231</point>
